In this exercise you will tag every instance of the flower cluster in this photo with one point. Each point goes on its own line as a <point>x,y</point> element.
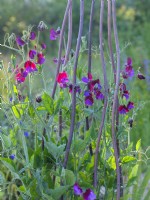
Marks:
<point>128,71</point>
<point>93,89</point>
<point>88,194</point>
<point>54,34</point>
<point>34,57</point>
<point>123,109</point>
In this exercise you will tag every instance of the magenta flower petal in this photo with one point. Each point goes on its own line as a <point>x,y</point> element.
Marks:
<point>32,36</point>
<point>20,42</point>
<point>89,195</point>
<point>30,66</point>
<point>90,77</point>
<point>77,189</point>
<point>19,78</point>
<point>32,53</point>
<point>123,109</point>
<point>130,105</point>
<point>62,79</point>
<point>129,61</point>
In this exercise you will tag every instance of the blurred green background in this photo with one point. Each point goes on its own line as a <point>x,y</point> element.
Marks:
<point>134,34</point>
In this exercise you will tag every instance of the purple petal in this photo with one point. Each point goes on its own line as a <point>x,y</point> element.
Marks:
<point>20,42</point>
<point>89,195</point>
<point>86,93</point>
<point>32,36</point>
<point>77,189</point>
<point>85,79</point>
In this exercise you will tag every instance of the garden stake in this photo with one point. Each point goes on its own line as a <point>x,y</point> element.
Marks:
<point>106,92</point>
<point>115,102</point>
<point>74,84</point>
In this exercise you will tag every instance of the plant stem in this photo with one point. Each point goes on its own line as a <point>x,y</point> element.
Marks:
<point>74,84</point>
<point>115,99</point>
<point>90,60</point>
<point>60,47</point>
<point>109,20</point>
<point>106,92</point>
<point>69,34</point>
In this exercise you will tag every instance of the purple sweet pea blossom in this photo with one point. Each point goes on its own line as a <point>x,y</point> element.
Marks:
<point>77,189</point>
<point>89,195</point>
<point>126,94</point>
<point>54,34</point>
<point>32,53</point>
<point>89,100</point>
<point>30,66</point>
<point>130,105</point>
<point>41,58</point>
<point>43,46</point>
<point>19,41</point>
<point>128,71</point>
<point>123,109</point>
<point>32,36</point>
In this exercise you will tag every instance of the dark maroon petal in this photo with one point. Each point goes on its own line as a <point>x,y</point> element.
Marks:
<point>123,109</point>
<point>20,42</point>
<point>32,36</point>
<point>130,105</point>
<point>89,195</point>
<point>122,87</point>
<point>89,100</point>
<point>140,76</point>
<point>77,189</point>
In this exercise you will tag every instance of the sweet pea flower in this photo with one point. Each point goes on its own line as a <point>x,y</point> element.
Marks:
<point>30,66</point>
<point>20,75</point>
<point>19,41</point>
<point>32,54</point>
<point>128,71</point>
<point>32,36</point>
<point>126,94</point>
<point>123,109</point>
<point>62,79</point>
<point>54,34</point>
<point>140,76</point>
<point>130,105</point>
<point>77,189</point>
<point>89,195</point>
<point>41,58</point>
<point>89,100</point>
<point>43,46</point>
